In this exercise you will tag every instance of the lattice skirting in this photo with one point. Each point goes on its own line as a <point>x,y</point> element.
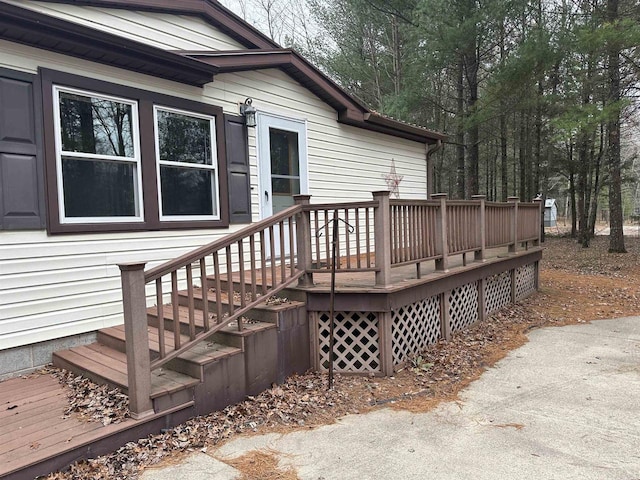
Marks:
<point>497,292</point>
<point>525,281</point>
<point>357,342</point>
<point>463,306</point>
<point>376,342</point>
<point>414,327</point>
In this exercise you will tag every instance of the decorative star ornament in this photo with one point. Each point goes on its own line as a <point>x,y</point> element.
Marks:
<point>393,180</point>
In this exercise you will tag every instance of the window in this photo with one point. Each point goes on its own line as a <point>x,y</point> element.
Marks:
<point>97,157</point>
<point>187,170</point>
<point>120,158</point>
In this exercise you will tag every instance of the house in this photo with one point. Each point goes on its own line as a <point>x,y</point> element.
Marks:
<point>122,140</point>
<point>550,212</point>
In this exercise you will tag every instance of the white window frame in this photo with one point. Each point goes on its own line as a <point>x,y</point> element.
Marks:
<point>135,160</point>
<point>213,167</point>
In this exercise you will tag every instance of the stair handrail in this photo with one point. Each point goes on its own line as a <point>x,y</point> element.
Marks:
<point>195,255</point>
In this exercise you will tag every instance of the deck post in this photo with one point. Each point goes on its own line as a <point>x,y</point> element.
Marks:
<point>479,255</point>
<point>445,317</point>
<point>482,300</point>
<point>442,244</point>
<point>538,200</point>
<point>303,240</point>
<point>137,339</point>
<point>513,246</point>
<point>386,343</point>
<point>382,238</point>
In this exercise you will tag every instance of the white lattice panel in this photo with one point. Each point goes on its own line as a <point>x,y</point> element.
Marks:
<point>357,342</point>
<point>463,306</point>
<point>414,327</point>
<point>525,281</point>
<point>497,292</point>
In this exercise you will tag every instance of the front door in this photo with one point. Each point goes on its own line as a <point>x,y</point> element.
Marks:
<point>282,160</point>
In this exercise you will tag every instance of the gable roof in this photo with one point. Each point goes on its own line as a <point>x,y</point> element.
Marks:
<point>195,67</point>
<point>211,11</point>
<point>35,29</point>
<point>350,110</point>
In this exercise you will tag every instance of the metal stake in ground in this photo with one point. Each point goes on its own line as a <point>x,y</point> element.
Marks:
<point>335,257</point>
<point>334,242</point>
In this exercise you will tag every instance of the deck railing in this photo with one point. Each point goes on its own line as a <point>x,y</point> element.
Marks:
<point>220,282</point>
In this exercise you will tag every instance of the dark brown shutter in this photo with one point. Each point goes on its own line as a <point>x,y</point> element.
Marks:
<point>238,169</point>
<point>21,175</point>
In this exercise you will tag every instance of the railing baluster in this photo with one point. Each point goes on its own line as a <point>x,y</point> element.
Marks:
<point>243,301</point>
<point>368,215</point>
<point>263,262</point>
<point>292,247</point>
<point>192,309</point>
<point>252,253</point>
<point>176,312</point>
<point>347,237</point>
<point>283,251</point>
<point>337,237</point>
<point>230,288</point>
<point>216,272</point>
<point>205,294</point>
<point>272,250</point>
<point>160,316</point>
<point>317,258</point>
<point>327,250</point>
<point>359,261</point>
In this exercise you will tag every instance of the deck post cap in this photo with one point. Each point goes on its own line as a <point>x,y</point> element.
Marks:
<point>131,266</point>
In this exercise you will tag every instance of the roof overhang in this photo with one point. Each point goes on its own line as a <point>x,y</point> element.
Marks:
<point>210,11</point>
<point>350,110</point>
<point>31,28</point>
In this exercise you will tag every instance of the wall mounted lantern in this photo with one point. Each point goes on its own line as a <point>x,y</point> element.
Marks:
<point>249,112</point>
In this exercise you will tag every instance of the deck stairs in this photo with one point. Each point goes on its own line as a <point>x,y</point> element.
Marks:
<point>173,386</point>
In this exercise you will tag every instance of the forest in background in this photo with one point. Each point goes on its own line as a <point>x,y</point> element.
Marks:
<point>537,97</point>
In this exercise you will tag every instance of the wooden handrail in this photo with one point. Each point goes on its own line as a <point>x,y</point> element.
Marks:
<point>196,255</point>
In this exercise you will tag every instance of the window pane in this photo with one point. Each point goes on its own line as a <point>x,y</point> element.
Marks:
<point>284,152</point>
<point>94,125</point>
<point>183,138</point>
<point>99,189</point>
<point>187,191</point>
<point>285,186</point>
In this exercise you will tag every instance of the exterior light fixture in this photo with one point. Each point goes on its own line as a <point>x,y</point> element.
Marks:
<point>249,112</point>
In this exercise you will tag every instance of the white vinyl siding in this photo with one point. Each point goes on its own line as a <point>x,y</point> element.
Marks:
<point>54,286</point>
<point>169,32</point>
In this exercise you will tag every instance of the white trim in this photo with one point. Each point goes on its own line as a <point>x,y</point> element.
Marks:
<point>57,89</point>
<point>210,167</point>
<point>264,121</point>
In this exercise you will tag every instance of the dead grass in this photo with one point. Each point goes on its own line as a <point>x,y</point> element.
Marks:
<point>262,464</point>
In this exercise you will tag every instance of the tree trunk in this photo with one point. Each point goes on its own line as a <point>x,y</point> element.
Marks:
<point>460,178</point>
<point>616,237</point>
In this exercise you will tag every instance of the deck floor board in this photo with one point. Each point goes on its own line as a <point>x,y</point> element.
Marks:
<point>38,429</point>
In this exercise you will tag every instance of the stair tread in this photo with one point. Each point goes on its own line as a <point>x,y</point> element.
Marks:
<point>111,365</point>
<point>201,354</point>
<point>183,313</point>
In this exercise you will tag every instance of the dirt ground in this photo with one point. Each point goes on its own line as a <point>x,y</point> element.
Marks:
<point>576,285</point>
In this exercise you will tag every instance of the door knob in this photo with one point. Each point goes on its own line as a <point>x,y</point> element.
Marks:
<point>266,195</point>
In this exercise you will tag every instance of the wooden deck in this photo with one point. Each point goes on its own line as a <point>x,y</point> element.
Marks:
<point>36,437</point>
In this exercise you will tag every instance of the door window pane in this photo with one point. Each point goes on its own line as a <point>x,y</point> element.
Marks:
<point>284,152</point>
<point>285,186</point>
<point>187,191</point>
<point>95,188</point>
<point>95,125</point>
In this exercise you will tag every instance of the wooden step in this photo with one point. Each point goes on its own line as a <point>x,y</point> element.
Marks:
<point>183,315</point>
<point>262,311</point>
<point>106,365</point>
<point>291,293</point>
<point>189,363</point>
